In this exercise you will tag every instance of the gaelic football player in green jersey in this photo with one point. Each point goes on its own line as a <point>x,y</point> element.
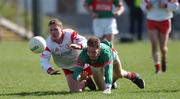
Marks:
<point>103,13</point>
<point>101,58</point>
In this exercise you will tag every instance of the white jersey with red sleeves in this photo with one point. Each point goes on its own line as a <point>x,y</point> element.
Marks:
<point>62,54</point>
<point>159,14</point>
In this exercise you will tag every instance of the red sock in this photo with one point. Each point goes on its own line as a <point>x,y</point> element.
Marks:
<point>131,75</point>
<point>158,67</point>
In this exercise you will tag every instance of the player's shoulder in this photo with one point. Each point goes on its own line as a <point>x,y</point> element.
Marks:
<point>106,52</point>
<point>106,43</point>
<point>105,49</point>
<point>68,30</point>
<point>70,34</point>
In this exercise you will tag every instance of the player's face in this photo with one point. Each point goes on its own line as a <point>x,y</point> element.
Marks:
<point>93,52</point>
<point>55,32</point>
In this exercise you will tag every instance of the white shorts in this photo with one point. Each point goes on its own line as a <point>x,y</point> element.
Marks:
<point>104,26</point>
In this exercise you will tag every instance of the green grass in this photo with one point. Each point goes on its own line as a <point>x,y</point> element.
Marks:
<point>22,77</point>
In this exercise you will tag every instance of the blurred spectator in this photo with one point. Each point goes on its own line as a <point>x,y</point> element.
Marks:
<point>66,6</point>
<point>172,27</point>
<point>136,18</point>
<point>173,19</point>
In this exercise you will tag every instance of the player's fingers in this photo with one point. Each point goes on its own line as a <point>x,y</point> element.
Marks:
<point>55,72</point>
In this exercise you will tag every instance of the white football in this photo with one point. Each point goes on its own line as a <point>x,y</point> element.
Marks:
<point>37,44</point>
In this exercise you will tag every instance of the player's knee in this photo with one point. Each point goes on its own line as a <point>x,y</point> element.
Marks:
<point>164,49</point>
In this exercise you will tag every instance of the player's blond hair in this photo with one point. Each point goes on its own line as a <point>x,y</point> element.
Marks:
<point>55,21</point>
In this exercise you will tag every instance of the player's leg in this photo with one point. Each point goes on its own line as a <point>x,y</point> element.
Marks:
<point>98,75</point>
<point>97,28</point>
<point>89,82</point>
<point>164,49</point>
<point>164,36</point>
<point>109,37</point>
<point>74,85</point>
<point>154,38</point>
<point>118,72</point>
<point>117,69</point>
<point>110,29</point>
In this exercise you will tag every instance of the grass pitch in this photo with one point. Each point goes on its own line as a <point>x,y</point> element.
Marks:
<point>22,77</point>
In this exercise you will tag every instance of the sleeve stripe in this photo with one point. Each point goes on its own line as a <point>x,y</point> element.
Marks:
<point>47,49</point>
<point>73,36</point>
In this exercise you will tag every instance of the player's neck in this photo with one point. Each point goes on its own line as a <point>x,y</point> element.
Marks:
<point>60,40</point>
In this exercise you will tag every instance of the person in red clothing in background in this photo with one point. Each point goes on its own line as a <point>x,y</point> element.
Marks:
<point>159,14</point>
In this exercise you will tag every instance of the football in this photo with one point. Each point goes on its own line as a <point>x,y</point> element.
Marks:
<point>37,44</point>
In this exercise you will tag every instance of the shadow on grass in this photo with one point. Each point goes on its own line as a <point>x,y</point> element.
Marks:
<point>38,93</point>
<point>46,93</point>
<point>158,91</point>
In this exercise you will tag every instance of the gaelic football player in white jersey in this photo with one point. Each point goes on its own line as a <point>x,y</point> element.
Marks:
<point>64,45</point>
<point>159,14</point>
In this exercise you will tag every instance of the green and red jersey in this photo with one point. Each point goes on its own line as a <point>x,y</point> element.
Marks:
<point>104,60</point>
<point>103,8</point>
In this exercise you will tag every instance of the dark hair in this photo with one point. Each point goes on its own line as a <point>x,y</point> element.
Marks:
<point>55,21</point>
<point>93,42</point>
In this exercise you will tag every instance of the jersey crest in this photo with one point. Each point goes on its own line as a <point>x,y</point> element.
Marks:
<point>102,5</point>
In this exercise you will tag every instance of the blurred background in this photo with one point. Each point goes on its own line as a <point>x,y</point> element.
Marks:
<point>22,19</point>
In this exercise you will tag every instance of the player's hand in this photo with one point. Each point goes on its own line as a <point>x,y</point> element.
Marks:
<point>51,71</point>
<point>84,75</point>
<point>75,46</point>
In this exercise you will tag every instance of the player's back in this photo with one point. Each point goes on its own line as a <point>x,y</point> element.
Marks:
<point>104,57</point>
